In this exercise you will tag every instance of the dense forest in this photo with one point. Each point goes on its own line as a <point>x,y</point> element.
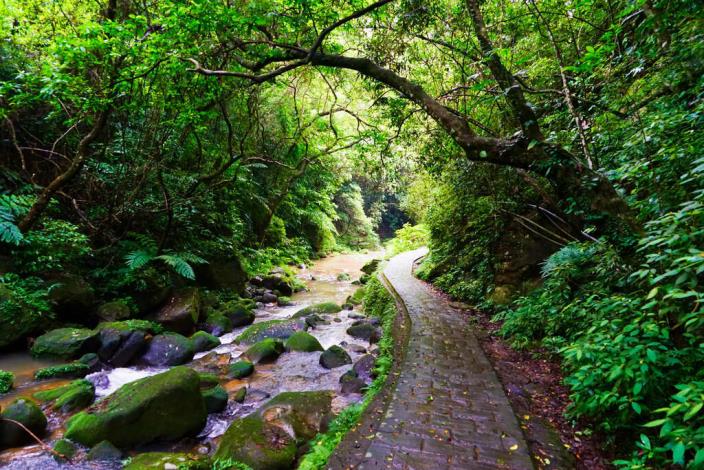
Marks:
<point>549,154</point>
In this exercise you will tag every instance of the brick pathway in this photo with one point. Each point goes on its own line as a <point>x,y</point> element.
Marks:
<point>449,410</point>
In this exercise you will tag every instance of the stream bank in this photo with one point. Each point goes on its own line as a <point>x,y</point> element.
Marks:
<point>327,280</point>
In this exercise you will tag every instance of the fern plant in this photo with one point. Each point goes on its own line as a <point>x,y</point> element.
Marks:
<point>12,207</point>
<point>180,262</point>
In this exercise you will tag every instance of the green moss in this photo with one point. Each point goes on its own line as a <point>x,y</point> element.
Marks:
<point>324,307</point>
<point>65,448</point>
<point>162,460</point>
<point>203,341</point>
<point>6,379</point>
<point>166,406</point>
<point>66,343</point>
<point>280,329</point>
<point>28,414</point>
<point>66,371</point>
<point>70,397</point>
<point>241,369</point>
<point>133,325</point>
<point>251,441</point>
<point>215,399</point>
<point>302,341</point>
<point>208,380</point>
<point>357,298</point>
<point>265,351</point>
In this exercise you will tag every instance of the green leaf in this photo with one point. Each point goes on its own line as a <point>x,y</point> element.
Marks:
<point>138,258</point>
<point>678,453</point>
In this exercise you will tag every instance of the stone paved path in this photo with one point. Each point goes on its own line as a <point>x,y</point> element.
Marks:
<point>449,410</point>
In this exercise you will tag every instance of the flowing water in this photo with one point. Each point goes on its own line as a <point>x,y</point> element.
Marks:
<point>294,371</point>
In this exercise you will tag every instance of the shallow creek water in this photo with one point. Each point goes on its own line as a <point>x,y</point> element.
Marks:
<point>295,371</point>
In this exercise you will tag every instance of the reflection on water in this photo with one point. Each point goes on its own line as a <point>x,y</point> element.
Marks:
<point>296,371</point>
<point>23,365</point>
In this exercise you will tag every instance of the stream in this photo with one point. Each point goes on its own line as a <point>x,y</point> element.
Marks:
<point>293,371</point>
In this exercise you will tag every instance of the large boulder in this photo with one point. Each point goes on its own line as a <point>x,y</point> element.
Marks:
<point>334,357</point>
<point>269,438</point>
<point>165,406</point>
<point>26,413</point>
<point>265,351</point>
<point>278,329</point>
<point>72,298</point>
<point>216,323</point>
<point>119,346</point>
<point>303,342</point>
<point>181,313</point>
<point>239,312</point>
<point>167,349</point>
<point>222,274</point>
<point>324,307</point>
<point>278,282</point>
<point>66,343</point>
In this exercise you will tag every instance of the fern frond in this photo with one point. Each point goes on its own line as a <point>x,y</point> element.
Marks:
<point>179,265</point>
<point>191,258</point>
<point>10,233</point>
<point>138,258</point>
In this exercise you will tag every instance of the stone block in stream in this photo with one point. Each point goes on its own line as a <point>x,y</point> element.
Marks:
<point>351,383</point>
<point>29,415</point>
<point>168,349</point>
<point>163,407</point>
<point>265,351</point>
<point>66,343</point>
<point>364,330</point>
<point>364,367</point>
<point>324,307</point>
<point>203,341</point>
<point>105,451</point>
<point>168,460</point>
<point>334,357</point>
<point>240,395</point>
<point>71,397</point>
<point>215,399</point>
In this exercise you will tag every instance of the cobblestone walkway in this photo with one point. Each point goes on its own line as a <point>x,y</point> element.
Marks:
<point>449,410</point>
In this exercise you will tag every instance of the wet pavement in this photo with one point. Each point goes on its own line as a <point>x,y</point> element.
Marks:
<point>449,410</point>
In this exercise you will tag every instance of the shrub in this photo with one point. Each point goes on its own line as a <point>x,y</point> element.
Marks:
<point>6,379</point>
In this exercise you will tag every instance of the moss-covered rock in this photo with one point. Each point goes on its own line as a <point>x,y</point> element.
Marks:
<point>324,307</point>
<point>240,369</point>
<point>269,438</point>
<point>6,380</point>
<point>366,331</point>
<point>134,324</point>
<point>334,357</point>
<point>357,297</point>
<point>216,323</point>
<point>166,406</point>
<point>203,341</point>
<point>260,445</point>
<point>370,266</point>
<point>208,380</point>
<point>240,395</point>
<point>181,313</point>
<point>71,397</point>
<point>215,399</point>
<point>167,349</point>
<point>167,460</point>
<point>65,448</point>
<point>277,329</point>
<point>114,311</point>
<point>73,370</point>
<point>66,343</point>
<point>343,277</point>
<point>284,301</point>
<point>239,312</point>
<point>105,451</point>
<point>265,351</point>
<point>303,342</point>
<point>29,415</point>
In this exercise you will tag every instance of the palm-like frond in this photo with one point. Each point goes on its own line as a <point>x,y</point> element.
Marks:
<point>179,265</point>
<point>138,258</point>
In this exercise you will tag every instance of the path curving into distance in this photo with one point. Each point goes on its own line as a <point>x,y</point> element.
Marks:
<point>448,410</point>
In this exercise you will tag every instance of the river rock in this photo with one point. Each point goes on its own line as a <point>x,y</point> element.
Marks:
<point>268,298</point>
<point>269,438</point>
<point>181,313</point>
<point>114,311</point>
<point>168,461</point>
<point>72,370</point>
<point>334,357</point>
<point>65,448</point>
<point>324,307</point>
<point>371,266</point>
<point>70,397</point>
<point>364,367</point>
<point>105,451</point>
<point>277,329</point>
<point>203,341</point>
<point>28,414</point>
<point>66,343</point>
<point>240,395</point>
<point>265,351</point>
<point>279,282</point>
<point>240,369</point>
<point>168,349</point>
<point>165,406</point>
<point>302,342</point>
<point>364,330</point>
<point>351,383</point>
<point>215,399</point>
<point>239,312</point>
<point>216,323</point>
<point>119,344</point>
